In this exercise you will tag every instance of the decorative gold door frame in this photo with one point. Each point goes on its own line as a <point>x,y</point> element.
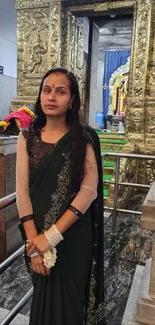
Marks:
<point>142,9</point>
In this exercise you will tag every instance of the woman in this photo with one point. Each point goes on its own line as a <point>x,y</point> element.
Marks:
<point>60,203</point>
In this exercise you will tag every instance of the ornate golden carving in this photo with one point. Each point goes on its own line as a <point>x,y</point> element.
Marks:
<point>130,147</point>
<point>136,138</point>
<point>146,172</point>
<point>150,120</point>
<point>127,171</point>
<point>75,50</point>
<point>141,172</point>
<point>55,35</point>
<point>142,46</point>
<point>150,141</point>
<point>71,29</point>
<point>112,147</point>
<point>131,69</point>
<point>151,82</point>
<point>39,44</point>
<point>24,4</point>
<point>136,102</point>
<point>37,50</point>
<point>135,121</point>
<point>33,56</point>
<point>104,6</point>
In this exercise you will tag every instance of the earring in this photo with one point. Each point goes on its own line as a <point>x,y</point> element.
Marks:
<point>70,108</point>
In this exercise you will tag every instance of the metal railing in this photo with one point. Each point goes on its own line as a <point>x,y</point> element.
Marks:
<point>6,263</point>
<point>8,200</point>
<point>11,199</point>
<point>116,184</point>
<point>4,203</point>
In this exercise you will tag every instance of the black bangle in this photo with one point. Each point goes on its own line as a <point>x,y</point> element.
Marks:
<point>76,211</point>
<point>26,218</point>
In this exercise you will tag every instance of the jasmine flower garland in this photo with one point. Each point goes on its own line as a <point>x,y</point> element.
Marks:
<point>50,258</point>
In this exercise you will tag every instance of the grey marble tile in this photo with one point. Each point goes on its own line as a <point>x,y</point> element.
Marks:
<point>14,283</point>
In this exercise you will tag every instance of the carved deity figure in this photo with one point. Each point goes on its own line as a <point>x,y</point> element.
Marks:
<point>119,95</point>
<point>36,56</point>
<point>118,90</point>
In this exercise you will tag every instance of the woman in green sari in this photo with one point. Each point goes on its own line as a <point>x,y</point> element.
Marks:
<point>60,204</point>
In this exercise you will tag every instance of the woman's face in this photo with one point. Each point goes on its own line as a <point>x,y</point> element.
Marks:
<point>55,95</point>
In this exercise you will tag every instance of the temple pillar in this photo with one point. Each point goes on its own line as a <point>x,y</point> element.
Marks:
<point>150,105</point>
<point>135,117</point>
<point>140,115</point>
<point>39,45</point>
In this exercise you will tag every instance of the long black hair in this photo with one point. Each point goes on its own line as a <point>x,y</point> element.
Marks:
<point>78,149</point>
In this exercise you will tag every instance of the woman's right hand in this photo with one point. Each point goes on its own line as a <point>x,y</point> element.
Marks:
<point>38,265</point>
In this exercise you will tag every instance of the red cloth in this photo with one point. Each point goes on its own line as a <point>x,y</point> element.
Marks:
<point>24,118</point>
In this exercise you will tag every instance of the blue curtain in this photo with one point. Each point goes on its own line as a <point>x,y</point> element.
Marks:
<point>112,61</point>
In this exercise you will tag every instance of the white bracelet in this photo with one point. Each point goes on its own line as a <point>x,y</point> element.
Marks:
<point>34,254</point>
<point>53,236</point>
<point>50,258</point>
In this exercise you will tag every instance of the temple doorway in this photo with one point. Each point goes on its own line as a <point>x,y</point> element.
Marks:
<point>110,51</point>
<point>107,42</point>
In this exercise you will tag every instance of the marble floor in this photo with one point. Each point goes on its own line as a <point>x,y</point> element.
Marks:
<point>14,283</point>
<point>131,247</point>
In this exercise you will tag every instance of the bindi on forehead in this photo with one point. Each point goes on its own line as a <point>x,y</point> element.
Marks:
<point>57,79</point>
<point>53,86</point>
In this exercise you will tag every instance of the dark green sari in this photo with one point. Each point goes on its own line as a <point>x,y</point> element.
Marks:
<point>73,292</point>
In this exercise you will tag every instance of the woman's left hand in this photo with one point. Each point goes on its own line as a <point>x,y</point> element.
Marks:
<point>39,244</point>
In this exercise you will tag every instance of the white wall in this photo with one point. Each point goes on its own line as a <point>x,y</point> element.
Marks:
<point>8,37</point>
<point>8,58</point>
<point>8,55</point>
<point>8,91</point>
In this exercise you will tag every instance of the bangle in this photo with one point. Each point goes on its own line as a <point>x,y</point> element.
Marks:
<point>34,254</point>
<point>76,211</point>
<point>26,218</point>
<point>50,258</point>
<point>53,236</point>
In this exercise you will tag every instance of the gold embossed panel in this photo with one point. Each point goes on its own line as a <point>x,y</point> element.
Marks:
<point>24,4</point>
<point>136,121</point>
<point>150,120</point>
<point>74,49</point>
<point>34,44</point>
<point>39,43</point>
<point>141,47</point>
